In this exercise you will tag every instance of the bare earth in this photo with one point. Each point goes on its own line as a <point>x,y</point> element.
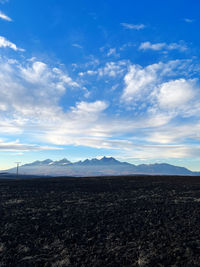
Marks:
<point>105,221</point>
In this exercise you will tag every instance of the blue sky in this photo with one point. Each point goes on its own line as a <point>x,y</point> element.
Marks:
<point>83,79</point>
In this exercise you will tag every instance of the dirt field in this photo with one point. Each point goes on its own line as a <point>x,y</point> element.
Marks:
<point>106,221</point>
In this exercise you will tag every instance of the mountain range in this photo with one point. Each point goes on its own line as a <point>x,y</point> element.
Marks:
<point>98,167</point>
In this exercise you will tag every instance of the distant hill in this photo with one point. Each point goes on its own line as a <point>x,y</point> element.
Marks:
<point>98,167</point>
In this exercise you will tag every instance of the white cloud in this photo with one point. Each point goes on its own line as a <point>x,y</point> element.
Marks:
<point>177,46</point>
<point>162,46</point>
<point>79,126</point>
<point>91,72</point>
<point>86,112</point>
<point>88,72</point>
<point>159,91</point>
<point>5,43</point>
<point>111,69</point>
<point>36,73</point>
<point>40,73</point>
<point>176,93</point>
<point>133,26</point>
<point>65,79</point>
<point>148,45</point>
<point>83,107</point>
<point>4,16</point>
<point>32,89</point>
<point>140,81</point>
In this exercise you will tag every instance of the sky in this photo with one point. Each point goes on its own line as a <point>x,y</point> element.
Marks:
<point>83,79</point>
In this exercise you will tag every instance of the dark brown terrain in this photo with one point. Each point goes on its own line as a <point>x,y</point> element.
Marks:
<point>105,221</point>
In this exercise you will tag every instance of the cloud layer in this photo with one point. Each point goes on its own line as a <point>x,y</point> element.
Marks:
<point>16,146</point>
<point>151,100</point>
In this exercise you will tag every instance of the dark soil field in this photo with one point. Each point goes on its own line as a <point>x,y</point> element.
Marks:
<point>106,221</point>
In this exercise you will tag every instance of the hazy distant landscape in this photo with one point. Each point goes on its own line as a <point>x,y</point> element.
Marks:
<point>97,167</point>
<point>104,221</point>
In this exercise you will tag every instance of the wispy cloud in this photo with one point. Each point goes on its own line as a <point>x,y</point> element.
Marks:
<point>4,16</point>
<point>188,20</point>
<point>150,46</point>
<point>77,45</point>
<point>164,152</point>
<point>133,26</point>
<point>175,133</point>
<point>16,146</point>
<point>5,43</point>
<point>113,52</point>
<point>111,69</point>
<point>162,46</point>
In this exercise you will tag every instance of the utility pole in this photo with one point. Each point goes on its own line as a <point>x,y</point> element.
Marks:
<point>17,168</point>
